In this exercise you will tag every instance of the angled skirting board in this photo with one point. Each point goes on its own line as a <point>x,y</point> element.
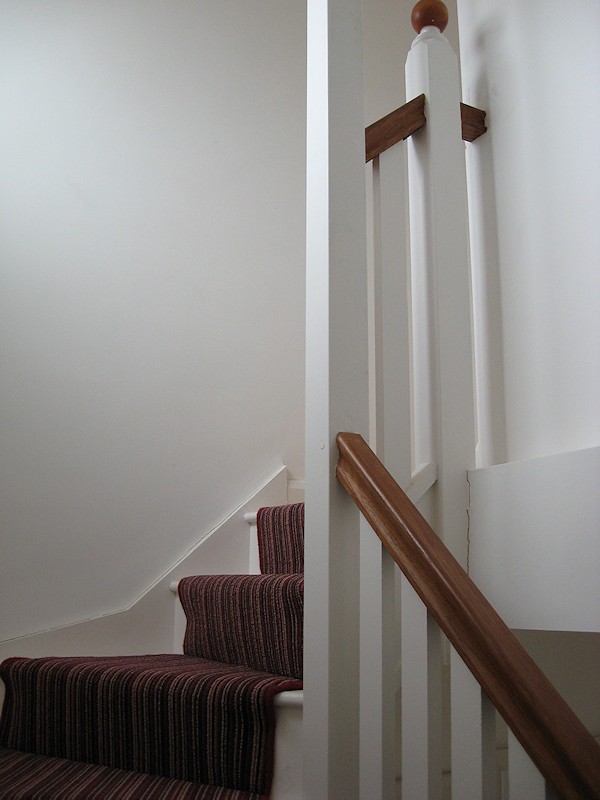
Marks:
<point>535,540</point>
<point>147,624</point>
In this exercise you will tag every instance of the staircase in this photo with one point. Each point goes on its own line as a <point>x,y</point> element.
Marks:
<point>195,726</point>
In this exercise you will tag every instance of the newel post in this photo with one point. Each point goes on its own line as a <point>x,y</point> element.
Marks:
<point>439,230</point>
<point>443,374</point>
<point>336,394</point>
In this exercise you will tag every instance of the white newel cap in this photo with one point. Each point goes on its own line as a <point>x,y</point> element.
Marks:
<point>429,32</point>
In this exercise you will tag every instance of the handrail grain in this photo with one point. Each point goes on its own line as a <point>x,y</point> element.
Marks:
<point>557,742</point>
<point>472,122</point>
<point>408,119</point>
<point>394,127</point>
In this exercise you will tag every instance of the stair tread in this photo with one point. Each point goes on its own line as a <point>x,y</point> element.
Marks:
<point>27,776</point>
<point>192,726</point>
<point>150,714</point>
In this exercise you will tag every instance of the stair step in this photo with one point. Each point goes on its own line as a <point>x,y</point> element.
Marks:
<point>26,775</point>
<point>196,726</point>
<point>255,620</point>
<point>150,714</point>
<point>280,532</point>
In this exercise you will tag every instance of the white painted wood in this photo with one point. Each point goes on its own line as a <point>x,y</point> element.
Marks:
<point>287,771</point>
<point>253,554</point>
<point>390,437</point>
<point>525,782</point>
<point>421,482</point>
<point>377,669</point>
<point>336,394</point>
<point>290,699</point>
<point>374,315</point>
<point>473,771</point>
<point>490,779</point>
<point>440,258</point>
<point>393,435</point>
<point>179,622</point>
<point>535,526</point>
<point>444,392</point>
<point>421,700</point>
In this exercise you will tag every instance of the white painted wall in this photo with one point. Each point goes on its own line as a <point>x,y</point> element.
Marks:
<point>152,287</point>
<point>535,187</point>
<point>534,182</point>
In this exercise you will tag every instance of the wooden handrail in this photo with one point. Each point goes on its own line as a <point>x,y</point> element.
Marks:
<point>472,122</point>
<point>557,742</point>
<point>394,127</point>
<point>408,119</point>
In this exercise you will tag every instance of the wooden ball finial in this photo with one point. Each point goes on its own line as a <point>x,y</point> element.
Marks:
<point>429,12</point>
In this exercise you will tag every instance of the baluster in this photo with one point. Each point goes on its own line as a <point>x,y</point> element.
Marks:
<point>377,669</point>
<point>524,780</point>
<point>421,700</point>
<point>474,771</point>
<point>391,314</point>
<point>389,371</point>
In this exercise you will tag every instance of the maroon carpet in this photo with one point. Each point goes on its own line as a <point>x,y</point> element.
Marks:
<point>254,620</point>
<point>198,726</point>
<point>281,538</point>
<point>24,776</point>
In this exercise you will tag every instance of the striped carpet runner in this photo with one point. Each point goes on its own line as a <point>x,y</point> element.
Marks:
<point>24,776</point>
<point>281,538</point>
<point>198,725</point>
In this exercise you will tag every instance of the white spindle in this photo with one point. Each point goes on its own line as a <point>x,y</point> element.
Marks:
<point>421,700</point>
<point>393,434</point>
<point>524,780</point>
<point>253,554</point>
<point>377,669</point>
<point>474,771</point>
<point>390,436</point>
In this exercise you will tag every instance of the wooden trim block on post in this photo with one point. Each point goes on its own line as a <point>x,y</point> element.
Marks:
<point>394,127</point>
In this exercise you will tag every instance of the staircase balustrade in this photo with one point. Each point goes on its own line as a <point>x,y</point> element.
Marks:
<point>422,424</point>
<point>422,418</point>
<point>563,750</point>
